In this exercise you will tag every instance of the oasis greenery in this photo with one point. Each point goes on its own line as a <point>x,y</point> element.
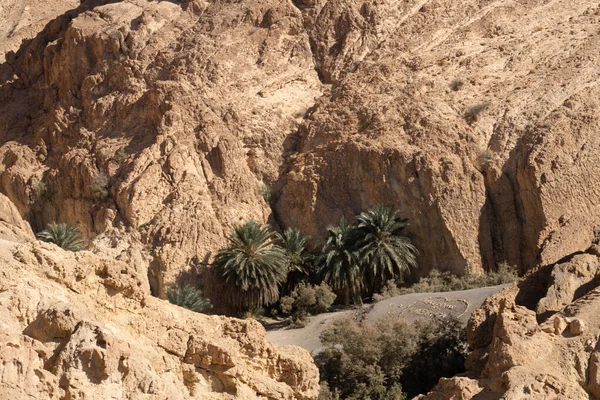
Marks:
<point>251,268</point>
<point>63,235</point>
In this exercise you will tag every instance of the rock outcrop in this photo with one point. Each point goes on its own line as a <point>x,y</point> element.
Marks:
<point>162,124</point>
<point>23,19</point>
<point>537,339</point>
<point>75,325</point>
<point>478,121</point>
<point>162,121</point>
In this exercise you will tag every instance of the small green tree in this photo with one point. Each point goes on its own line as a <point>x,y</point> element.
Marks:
<point>339,263</point>
<point>307,300</point>
<point>297,255</point>
<point>385,251</point>
<point>251,268</point>
<point>390,358</point>
<point>188,297</point>
<point>63,235</point>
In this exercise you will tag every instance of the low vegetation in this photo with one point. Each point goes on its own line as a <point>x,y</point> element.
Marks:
<point>306,300</point>
<point>63,235</point>
<point>389,359</point>
<point>99,187</point>
<point>457,84</point>
<point>473,112</point>
<point>120,155</point>
<point>189,297</point>
<point>438,281</point>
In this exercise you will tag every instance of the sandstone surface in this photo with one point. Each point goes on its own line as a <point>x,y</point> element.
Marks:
<point>79,326</point>
<point>161,123</point>
<point>154,126</point>
<point>23,19</point>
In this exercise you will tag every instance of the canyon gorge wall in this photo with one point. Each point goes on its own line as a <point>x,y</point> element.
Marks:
<point>155,126</point>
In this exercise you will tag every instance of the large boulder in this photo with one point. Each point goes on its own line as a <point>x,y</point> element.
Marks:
<point>12,226</point>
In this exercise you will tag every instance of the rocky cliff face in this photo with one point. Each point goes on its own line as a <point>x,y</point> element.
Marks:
<point>163,118</point>
<point>75,325</point>
<point>476,120</point>
<point>537,339</point>
<point>162,124</point>
<point>23,19</point>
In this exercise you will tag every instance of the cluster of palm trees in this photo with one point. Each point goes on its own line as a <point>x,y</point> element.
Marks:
<point>356,260</point>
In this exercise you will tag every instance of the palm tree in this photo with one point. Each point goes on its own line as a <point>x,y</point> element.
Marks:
<point>298,257</point>
<point>64,235</point>
<point>251,268</point>
<point>386,252</point>
<point>188,297</point>
<point>339,262</point>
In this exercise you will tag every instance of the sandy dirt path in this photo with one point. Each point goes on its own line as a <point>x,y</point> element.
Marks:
<point>412,307</point>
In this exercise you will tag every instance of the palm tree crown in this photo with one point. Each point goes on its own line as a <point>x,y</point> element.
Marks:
<point>339,262</point>
<point>63,235</point>
<point>298,257</point>
<point>251,267</point>
<point>294,246</point>
<point>188,297</point>
<point>385,250</point>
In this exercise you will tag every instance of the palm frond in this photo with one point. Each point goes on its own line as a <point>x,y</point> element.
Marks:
<point>339,262</point>
<point>188,297</point>
<point>251,268</point>
<point>385,250</point>
<point>63,235</point>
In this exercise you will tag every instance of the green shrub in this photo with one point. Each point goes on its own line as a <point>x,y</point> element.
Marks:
<point>473,112</point>
<point>445,281</point>
<point>389,359</point>
<point>120,155</point>
<point>41,190</point>
<point>306,300</point>
<point>326,393</point>
<point>63,235</point>
<point>265,192</point>
<point>99,187</point>
<point>457,84</point>
<point>324,297</point>
<point>188,297</point>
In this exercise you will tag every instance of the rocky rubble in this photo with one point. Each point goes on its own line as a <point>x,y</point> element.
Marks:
<point>75,326</point>
<point>537,339</point>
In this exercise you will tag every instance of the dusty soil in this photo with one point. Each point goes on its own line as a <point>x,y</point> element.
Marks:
<point>414,306</point>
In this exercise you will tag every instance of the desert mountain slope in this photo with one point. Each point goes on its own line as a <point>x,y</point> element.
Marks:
<point>162,124</point>
<point>157,117</point>
<point>75,325</point>
<point>513,183</point>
